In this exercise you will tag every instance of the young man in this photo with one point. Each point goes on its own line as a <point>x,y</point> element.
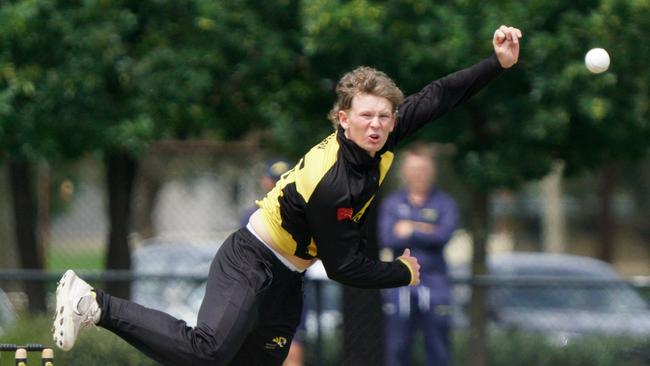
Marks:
<point>253,297</point>
<point>422,217</point>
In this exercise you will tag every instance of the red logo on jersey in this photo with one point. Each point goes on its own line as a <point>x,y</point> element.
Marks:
<point>344,213</point>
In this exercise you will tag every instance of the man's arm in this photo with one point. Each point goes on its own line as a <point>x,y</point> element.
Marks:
<point>444,94</point>
<point>443,229</point>
<point>337,238</point>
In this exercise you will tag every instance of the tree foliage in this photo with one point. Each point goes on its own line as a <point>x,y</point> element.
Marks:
<point>548,108</point>
<point>114,75</point>
<point>97,75</point>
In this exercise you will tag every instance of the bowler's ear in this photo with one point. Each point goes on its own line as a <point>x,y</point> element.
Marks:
<point>343,119</point>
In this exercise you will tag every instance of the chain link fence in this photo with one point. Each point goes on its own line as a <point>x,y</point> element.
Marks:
<point>188,198</point>
<point>547,314</point>
<point>532,320</point>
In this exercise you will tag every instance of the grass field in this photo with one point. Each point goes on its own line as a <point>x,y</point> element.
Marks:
<point>60,260</point>
<point>94,347</point>
<point>100,347</point>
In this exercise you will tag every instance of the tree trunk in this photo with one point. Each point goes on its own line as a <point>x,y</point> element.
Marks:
<point>149,186</point>
<point>553,218</point>
<point>477,343</point>
<point>8,259</point>
<point>29,253</point>
<point>120,175</point>
<point>43,217</point>
<point>606,218</point>
<point>363,318</point>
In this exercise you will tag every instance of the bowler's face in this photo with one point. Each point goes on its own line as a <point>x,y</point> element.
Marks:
<point>368,122</point>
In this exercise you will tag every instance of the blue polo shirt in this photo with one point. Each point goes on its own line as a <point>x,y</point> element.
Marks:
<point>439,209</point>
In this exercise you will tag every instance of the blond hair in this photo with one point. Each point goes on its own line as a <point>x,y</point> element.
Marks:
<point>364,80</point>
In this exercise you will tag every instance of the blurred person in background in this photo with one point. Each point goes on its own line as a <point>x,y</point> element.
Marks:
<point>421,217</point>
<point>272,173</point>
<point>253,299</point>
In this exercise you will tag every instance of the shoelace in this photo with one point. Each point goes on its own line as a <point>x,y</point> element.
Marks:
<point>87,319</point>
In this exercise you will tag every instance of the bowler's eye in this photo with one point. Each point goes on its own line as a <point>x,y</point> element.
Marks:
<point>384,117</point>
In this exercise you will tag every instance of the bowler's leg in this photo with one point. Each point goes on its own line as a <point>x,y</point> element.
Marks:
<point>280,313</point>
<point>228,311</point>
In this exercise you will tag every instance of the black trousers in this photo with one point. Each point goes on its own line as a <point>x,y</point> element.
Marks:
<point>248,316</point>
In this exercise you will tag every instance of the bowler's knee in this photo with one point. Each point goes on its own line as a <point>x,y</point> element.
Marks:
<point>212,349</point>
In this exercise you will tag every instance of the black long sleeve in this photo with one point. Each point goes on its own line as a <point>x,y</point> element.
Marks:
<point>339,240</point>
<point>444,94</point>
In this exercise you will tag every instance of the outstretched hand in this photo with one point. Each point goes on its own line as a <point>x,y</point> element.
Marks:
<point>506,45</point>
<point>413,263</point>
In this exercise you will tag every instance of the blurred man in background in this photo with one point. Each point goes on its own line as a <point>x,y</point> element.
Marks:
<point>274,170</point>
<point>421,217</point>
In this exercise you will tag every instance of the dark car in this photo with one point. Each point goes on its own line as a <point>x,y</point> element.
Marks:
<point>561,296</point>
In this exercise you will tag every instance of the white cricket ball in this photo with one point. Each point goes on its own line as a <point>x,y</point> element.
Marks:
<point>597,60</point>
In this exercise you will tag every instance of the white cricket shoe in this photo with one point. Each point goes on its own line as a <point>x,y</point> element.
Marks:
<point>76,307</point>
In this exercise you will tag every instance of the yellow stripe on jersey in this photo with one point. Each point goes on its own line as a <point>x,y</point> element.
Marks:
<point>318,161</point>
<point>270,206</point>
<point>384,165</point>
<point>306,175</point>
<point>408,265</point>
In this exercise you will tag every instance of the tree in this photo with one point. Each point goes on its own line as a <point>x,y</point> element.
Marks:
<point>26,116</point>
<point>109,77</point>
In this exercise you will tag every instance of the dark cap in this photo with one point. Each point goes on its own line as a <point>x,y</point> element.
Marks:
<point>276,167</point>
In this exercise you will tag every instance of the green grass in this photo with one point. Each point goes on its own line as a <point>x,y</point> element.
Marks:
<point>95,346</point>
<point>100,347</point>
<point>60,260</point>
<point>515,348</point>
<point>518,349</point>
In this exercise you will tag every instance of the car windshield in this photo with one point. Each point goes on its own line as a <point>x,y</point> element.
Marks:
<point>613,299</point>
<point>170,260</point>
<point>608,297</point>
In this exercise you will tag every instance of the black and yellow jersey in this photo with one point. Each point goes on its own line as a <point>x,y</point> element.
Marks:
<point>316,209</point>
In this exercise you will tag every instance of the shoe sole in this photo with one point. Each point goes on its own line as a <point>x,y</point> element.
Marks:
<point>63,320</point>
